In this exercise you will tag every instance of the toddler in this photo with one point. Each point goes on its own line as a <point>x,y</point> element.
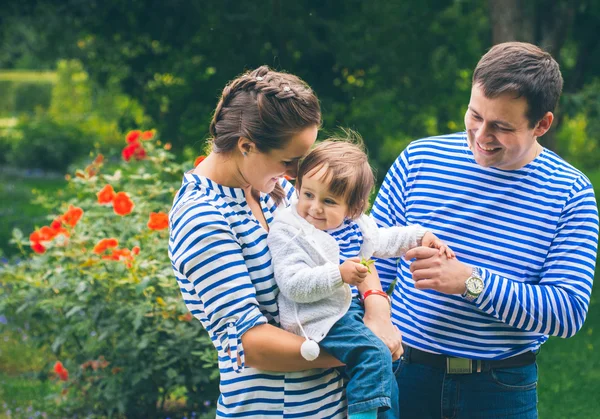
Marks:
<point>317,245</point>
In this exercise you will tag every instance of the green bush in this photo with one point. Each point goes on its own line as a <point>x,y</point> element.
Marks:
<point>104,113</point>
<point>114,317</point>
<point>40,142</point>
<point>24,92</point>
<point>578,132</point>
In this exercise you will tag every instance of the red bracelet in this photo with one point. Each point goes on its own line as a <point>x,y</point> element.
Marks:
<point>376,292</point>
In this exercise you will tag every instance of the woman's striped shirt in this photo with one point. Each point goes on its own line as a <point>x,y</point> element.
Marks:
<point>532,231</point>
<point>219,254</point>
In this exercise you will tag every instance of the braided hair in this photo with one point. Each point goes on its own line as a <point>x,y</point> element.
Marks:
<point>268,108</point>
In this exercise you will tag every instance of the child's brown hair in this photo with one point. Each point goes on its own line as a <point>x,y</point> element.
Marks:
<point>347,171</point>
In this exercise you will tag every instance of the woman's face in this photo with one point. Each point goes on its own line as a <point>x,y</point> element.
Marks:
<point>263,170</point>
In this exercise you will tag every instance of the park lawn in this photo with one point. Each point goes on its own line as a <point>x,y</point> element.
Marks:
<point>16,209</point>
<point>569,371</point>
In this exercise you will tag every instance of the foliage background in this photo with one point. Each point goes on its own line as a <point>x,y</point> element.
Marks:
<point>76,75</point>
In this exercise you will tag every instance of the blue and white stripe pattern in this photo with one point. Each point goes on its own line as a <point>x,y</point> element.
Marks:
<point>532,231</point>
<point>219,255</point>
<point>349,239</point>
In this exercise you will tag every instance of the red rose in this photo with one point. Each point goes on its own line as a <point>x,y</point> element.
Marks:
<point>104,244</point>
<point>133,136</point>
<point>72,216</point>
<point>122,204</point>
<point>158,221</point>
<point>106,195</point>
<point>135,150</point>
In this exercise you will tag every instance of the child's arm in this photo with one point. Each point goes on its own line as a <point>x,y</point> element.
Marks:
<point>297,279</point>
<point>431,240</point>
<point>391,242</point>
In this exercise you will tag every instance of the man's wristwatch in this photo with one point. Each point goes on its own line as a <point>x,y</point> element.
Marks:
<point>474,285</point>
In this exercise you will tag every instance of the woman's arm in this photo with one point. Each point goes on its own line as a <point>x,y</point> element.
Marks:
<point>269,348</point>
<point>378,315</point>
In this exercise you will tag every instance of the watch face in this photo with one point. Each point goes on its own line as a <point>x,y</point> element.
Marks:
<point>474,285</point>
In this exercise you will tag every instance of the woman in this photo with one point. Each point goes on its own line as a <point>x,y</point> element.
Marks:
<point>264,123</point>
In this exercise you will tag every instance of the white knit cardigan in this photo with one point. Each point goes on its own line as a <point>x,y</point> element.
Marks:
<point>306,267</point>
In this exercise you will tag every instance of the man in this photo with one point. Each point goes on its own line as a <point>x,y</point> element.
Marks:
<point>524,226</point>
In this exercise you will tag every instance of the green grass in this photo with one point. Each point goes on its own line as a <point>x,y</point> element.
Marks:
<point>29,76</point>
<point>569,371</point>
<point>21,386</point>
<point>16,209</point>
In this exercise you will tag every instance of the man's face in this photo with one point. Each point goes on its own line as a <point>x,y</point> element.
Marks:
<point>498,131</point>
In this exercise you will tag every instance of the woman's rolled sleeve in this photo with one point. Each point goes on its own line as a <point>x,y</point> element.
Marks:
<point>215,283</point>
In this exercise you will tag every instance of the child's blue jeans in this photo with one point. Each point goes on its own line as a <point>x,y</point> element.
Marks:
<point>372,384</point>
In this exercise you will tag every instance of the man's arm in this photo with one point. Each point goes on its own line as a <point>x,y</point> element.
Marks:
<point>556,305</point>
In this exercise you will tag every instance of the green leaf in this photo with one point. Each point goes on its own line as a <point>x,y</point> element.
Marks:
<point>73,311</point>
<point>17,234</point>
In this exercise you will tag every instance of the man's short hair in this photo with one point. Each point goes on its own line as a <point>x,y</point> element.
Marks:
<point>525,70</point>
<point>347,171</point>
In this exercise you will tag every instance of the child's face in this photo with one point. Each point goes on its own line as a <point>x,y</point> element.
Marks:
<point>317,205</point>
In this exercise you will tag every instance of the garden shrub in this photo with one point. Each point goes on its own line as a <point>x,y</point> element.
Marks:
<point>42,143</point>
<point>24,96</point>
<point>95,286</point>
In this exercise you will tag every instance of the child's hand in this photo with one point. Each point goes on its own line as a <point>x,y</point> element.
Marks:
<point>353,272</point>
<point>431,240</point>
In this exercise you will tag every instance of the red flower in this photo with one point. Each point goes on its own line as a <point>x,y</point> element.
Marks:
<point>98,160</point>
<point>37,247</point>
<point>120,255</point>
<point>61,371</point>
<point>187,317</point>
<point>158,221</point>
<point>46,234</point>
<point>135,150</point>
<point>72,216</point>
<point>135,250</point>
<point>199,160</point>
<point>104,244</point>
<point>168,146</point>
<point>106,195</point>
<point>122,204</point>
<point>133,136</point>
<point>147,135</point>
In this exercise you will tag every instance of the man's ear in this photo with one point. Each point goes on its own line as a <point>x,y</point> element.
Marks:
<point>543,124</point>
<point>245,146</point>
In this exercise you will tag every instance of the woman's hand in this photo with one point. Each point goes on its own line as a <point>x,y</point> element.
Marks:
<point>378,316</point>
<point>383,328</point>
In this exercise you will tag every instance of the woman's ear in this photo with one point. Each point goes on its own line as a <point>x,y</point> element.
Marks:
<point>245,146</point>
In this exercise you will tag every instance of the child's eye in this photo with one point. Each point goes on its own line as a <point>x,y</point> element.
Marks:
<point>330,202</point>
<point>308,194</point>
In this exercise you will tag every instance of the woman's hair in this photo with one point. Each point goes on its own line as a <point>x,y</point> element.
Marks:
<point>268,108</point>
<point>347,171</point>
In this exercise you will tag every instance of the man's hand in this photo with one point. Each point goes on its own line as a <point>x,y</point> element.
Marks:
<point>432,270</point>
<point>353,272</point>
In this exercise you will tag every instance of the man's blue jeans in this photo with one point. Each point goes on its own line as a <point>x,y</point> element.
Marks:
<point>371,384</point>
<point>503,393</point>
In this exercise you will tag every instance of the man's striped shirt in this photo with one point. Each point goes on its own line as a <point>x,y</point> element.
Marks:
<point>219,254</point>
<point>533,232</point>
